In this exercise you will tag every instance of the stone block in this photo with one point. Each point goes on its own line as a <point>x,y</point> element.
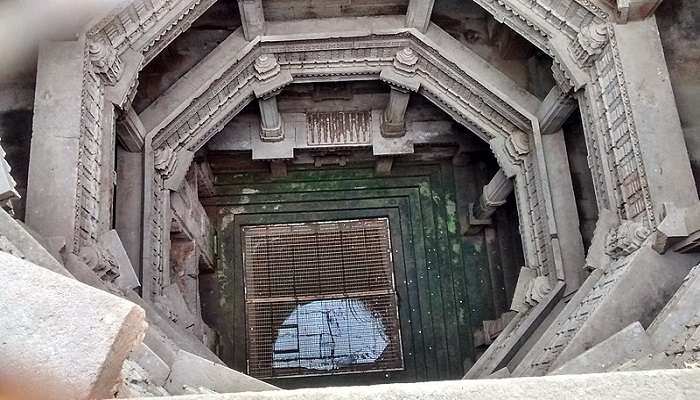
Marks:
<point>647,385</point>
<point>156,368</point>
<point>61,339</point>
<point>646,363</point>
<point>26,246</point>
<point>629,344</point>
<point>188,370</point>
<point>127,279</point>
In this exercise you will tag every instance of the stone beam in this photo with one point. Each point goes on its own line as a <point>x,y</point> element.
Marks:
<point>493,195</point>
<point>652,108</point>
<point>128,204</point>
<point>418,14</point>
<point>55,148</point>
<point>252,18</point>
<point>556,108</point>
<point>198,81</point>
<point>130,130</point>
<point>648,385</point>
<point>568,233</point>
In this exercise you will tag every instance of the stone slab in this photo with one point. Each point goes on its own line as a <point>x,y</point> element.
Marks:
<point>127,279</point>
<point>189,370</point>
<point>647,385</point>
<point>27,246</point>
<point>630,343</point>
<point>156,368</point>
<point>61,339</point>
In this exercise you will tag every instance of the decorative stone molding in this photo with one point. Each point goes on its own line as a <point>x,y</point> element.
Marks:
<point>589,44</point>
<point>102,262</point>
<point>625,239</point>
<point>165,160</point>
<point>105,62</point>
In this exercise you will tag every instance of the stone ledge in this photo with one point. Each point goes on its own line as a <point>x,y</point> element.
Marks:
<point>647,385</point>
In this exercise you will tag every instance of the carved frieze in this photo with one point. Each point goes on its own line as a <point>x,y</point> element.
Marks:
<point>101,261</point>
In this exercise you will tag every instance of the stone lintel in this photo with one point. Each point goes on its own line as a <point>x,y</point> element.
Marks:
<point>418,14</point>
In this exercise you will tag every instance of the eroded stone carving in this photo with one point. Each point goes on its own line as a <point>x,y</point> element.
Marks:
<point>105,61</point>
<point>627,238</point>
<point>589,44</point>
<point>102,262</point>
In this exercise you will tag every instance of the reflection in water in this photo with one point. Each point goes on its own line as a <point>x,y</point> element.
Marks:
<point>329,335</point>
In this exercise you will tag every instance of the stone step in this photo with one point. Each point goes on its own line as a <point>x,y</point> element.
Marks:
<point>647,385</point>
<point>190,371</point>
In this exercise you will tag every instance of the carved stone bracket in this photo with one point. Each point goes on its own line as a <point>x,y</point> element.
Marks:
<point>625,239</point>
<point>402,78</point>
<point>589,44</point>
<point>511,151</point>
<point>105,61</point>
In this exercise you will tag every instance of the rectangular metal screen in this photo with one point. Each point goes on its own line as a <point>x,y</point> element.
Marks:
<point>320,299</point>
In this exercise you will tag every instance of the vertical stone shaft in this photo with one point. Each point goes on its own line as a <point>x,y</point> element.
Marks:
<point>270,119</point>
<point>493,195</point>
<point>395,113</point>
<point>418,14</point>
<point>252,18</point>
<point>555,110</point>
<point>55,147</point>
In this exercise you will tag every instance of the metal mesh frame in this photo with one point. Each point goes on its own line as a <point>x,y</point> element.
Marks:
<point>329,282</point>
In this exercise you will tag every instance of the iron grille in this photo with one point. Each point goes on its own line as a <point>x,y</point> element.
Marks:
<point>320,299</point>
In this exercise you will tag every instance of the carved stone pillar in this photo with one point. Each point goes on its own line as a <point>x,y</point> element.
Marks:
<point>402,80</point>
<point>393,121</point>
<point>270,120</point>
<point>556,108</point>
<point>272,80</point>
<point>418,14</point>
<point>492,196</point>
<point>252,18</point>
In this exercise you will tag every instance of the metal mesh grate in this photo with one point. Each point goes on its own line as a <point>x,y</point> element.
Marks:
<point>320,298</point>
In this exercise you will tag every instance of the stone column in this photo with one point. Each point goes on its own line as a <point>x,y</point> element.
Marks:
<point>393,121</point>
<point>402,80</point>
<point>128,203</point>
<point>556,108</point>
<point>418,14</point>
<point>270,119</point>
<point>271,80</point>
<point>568,232</point>
<point>493,195</point>
<point>252,18</point>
